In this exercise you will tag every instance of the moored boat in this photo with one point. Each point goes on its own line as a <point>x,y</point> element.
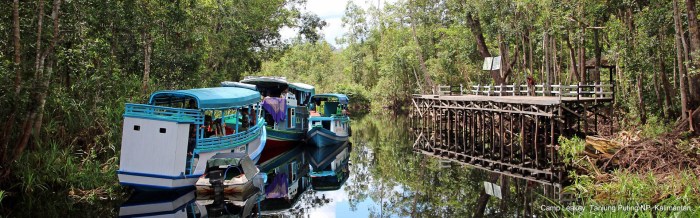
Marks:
<point>329,123</point>
<point>167,142</point>
<point>285,107</point>
<point>227,173</point>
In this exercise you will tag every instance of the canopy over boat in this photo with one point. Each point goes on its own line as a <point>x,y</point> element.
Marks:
<point>211,98</point>
<point>234,159</point>
<point>265,80</point>
<point>237,84</point>
<point>343,99</point>
<point>303,87</point>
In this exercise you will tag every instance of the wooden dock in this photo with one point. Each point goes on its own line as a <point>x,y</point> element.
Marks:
<point>507,129</point>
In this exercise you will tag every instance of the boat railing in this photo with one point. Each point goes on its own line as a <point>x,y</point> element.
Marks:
<point>229,141</point>
<point>179,115</point>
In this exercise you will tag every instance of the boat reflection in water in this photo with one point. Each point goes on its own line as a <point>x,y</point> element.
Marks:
<point>184,203</point>
<point>329,166</point>
<point>287,178</point>
<point>287,175</point>
<point>146,204</point>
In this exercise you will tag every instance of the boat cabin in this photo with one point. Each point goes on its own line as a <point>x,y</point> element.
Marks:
<point>330,112</point>
<point>166,142</point>
<point>286,102</point>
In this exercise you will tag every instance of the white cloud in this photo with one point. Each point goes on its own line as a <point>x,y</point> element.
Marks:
<point>331,11</point>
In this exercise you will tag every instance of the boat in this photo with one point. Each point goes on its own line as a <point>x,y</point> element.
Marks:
<point>151,204</point>
<point>329,166</point>
<point>166,143</point>
<point>227,173</point>
<point>285,107</point>
<point>237,205</point>
<point>286,177</point>
<point>329,123</point>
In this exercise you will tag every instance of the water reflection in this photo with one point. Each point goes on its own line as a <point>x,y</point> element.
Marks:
<point>379,174</point>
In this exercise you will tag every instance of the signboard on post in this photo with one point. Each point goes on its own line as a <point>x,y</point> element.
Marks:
<point>492,63</point>
<point>492,189</point>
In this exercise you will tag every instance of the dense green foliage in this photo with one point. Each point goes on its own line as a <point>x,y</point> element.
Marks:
<point>547,40</point>
<point>98,61</point>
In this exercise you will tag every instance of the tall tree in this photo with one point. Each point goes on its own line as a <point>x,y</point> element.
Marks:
<point>36,105</point>
<point>682,69</point>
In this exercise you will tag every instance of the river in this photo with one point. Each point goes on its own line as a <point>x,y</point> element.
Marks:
<point>377,174</point>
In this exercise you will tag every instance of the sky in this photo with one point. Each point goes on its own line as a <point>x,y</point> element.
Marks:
<point>332,12</point>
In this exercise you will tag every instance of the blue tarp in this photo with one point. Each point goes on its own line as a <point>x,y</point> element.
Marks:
<point>213,98</point>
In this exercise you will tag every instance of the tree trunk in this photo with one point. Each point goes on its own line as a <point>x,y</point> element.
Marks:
<point>693,27</point>
<point>147,40</point>
<point>680,59</point>
<point>503,49</point>
<point>582,56</point>
<point>530,60</point>
<point>38,68</point>
<point>46,78</point>
<point>664,79</point>
<point>419,53</point>
<point>640,89</point>
<point>475,27</point>
<point>36,106</point>
<point>545,43</point>
<point>572,57</point>
<point>17,67</point>
<point>657,90</point>
<point>598,53</point>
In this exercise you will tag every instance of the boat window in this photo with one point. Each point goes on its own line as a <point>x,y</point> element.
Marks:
<point>162,130</point>
<point>137,128</point>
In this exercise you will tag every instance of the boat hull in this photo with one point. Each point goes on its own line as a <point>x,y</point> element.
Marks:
<point>283,139</point>
<point>321,137</point>
<point>205,189</point>
<point>157,182</point>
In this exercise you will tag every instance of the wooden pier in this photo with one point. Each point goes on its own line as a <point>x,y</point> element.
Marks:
<point>509,129</point>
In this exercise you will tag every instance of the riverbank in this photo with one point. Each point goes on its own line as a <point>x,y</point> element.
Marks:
<point>655,165</point>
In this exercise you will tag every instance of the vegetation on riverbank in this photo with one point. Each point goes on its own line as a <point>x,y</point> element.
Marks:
<point>70,66</point>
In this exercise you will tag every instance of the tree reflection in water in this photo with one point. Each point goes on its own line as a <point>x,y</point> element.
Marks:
<point>405,183</point>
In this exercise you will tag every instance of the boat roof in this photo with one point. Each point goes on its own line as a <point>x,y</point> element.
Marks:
<point>238,84</point>
<point>213,98</point>
<point>342,98</point>
<point>303,87</point>
<point>264,79</point>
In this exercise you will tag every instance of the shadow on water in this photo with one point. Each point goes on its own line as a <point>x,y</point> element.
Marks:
<point>377,174</point>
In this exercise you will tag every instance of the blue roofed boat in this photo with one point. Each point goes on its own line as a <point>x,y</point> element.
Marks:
<point>167,142</point>
<point>285,105</point>
<point>329,123</point>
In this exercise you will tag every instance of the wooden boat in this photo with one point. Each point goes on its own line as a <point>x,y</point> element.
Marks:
<point>285,107</point>
<point>183,129</point>
<point>329,123</point>
<point>329,166</point>
<point>227,173</point>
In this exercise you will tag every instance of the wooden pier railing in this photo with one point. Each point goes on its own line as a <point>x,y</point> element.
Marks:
<point>594,90</point>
